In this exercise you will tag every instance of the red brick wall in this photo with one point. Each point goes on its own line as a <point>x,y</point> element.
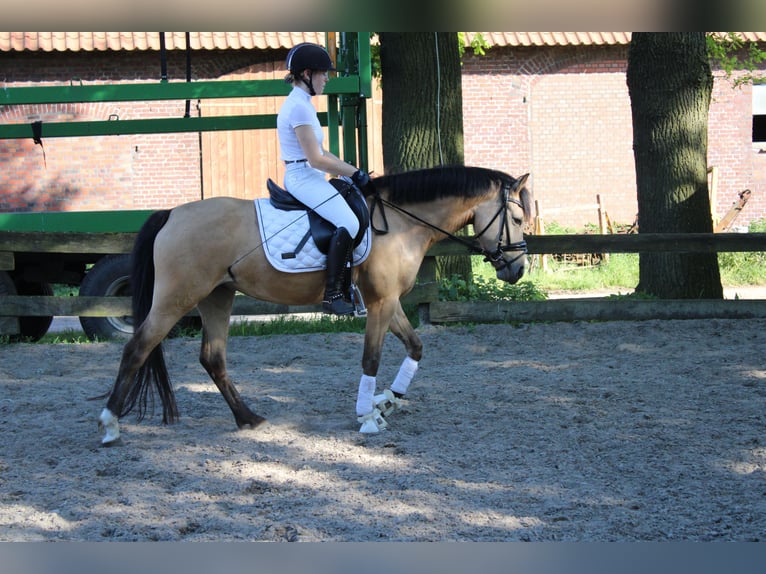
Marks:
<point>145,171</point>
<point>740,165</point>
<point>564,114</point>
<point>98,172</point>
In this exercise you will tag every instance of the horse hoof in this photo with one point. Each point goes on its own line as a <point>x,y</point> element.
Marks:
<point>387,402</point>
<point>372,422</point>
<point>109,425</point>
<point>251,422</point>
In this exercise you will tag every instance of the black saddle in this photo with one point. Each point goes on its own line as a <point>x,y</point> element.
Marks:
<point>320,229</point>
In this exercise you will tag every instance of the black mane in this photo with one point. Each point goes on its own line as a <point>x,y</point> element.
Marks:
<point>436,183</point>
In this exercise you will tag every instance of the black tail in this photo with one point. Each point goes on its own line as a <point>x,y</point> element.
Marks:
<point>153,370</point>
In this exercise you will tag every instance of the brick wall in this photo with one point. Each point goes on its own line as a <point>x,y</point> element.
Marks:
<point>98,172</point>
<point>563,113</point>
<point>144,171</point>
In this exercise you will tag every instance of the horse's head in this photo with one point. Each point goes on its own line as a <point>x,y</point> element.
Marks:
<point>499,222</point>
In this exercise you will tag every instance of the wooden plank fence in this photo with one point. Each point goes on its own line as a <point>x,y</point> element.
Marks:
<point>426,291</point>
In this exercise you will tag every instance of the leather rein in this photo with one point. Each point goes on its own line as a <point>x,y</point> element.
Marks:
<point>494,257</point>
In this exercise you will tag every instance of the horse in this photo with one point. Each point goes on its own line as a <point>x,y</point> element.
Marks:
<point>200,254</point>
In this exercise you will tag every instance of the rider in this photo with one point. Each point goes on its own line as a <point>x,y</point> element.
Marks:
<point>307,162</point>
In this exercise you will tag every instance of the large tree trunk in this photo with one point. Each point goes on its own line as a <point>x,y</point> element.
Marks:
<point>670,85</point>
<point>423,110</point>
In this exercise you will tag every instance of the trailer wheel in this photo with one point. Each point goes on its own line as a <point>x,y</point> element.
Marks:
<point>109,277</point>
<point>7,288</point>
<point>34,328</point>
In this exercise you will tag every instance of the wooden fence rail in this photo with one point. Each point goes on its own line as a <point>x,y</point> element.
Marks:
<point>603,309</point>
<point>426,292</point>
<point>50,242</point>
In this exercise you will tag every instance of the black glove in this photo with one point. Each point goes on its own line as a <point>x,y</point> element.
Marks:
<point>360,179</point>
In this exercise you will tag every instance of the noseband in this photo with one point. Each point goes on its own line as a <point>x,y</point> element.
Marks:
<point>494,257</point>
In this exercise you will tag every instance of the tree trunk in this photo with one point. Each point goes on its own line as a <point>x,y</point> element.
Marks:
<point>423,110</point>
<point>670,85</point>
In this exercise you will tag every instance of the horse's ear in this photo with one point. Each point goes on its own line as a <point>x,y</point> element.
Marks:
<point>520,182</point>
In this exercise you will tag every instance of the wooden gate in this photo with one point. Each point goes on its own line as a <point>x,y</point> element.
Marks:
<point>237,163</point>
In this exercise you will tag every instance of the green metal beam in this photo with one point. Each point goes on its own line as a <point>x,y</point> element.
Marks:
<point>345,104</point>
<point>365,65</point>
<point>127,221</point>
<point>145,126</point>
<point>162,91</point>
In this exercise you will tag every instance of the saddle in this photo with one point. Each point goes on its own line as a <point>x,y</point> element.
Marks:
<point>321,230</point>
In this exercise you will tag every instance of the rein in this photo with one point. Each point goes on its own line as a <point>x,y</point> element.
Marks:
<point>493,257</point>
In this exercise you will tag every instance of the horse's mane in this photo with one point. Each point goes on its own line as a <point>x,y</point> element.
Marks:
<point>430,184</point>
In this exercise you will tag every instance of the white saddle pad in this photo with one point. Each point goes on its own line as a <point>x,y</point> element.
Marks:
<point>281,234</point>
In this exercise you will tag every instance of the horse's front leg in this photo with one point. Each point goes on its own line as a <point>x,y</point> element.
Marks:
<point>402,328</point>
<point>371,409</point>
<point>390,399</point>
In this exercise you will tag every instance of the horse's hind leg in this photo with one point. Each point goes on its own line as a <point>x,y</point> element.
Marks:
<point>215,311</point>
<point>141,349</point>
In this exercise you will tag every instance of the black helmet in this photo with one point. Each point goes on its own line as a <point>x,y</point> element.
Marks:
<point>308,56</point>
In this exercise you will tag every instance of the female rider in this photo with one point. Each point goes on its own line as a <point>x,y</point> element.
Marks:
<point>307,162</point>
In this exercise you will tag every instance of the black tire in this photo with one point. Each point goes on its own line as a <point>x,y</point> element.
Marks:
<point>34,328</point>
<point>109,277</point>
<point>7,288</point>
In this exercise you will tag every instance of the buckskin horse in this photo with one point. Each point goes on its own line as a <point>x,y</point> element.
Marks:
<point>200,254</point>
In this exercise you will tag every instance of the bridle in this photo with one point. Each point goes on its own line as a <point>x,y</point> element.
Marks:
<point>494,257</point>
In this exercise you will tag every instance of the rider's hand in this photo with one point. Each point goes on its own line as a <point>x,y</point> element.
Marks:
<point>361,179</point>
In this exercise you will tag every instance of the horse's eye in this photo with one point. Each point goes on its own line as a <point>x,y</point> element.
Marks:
<point>518,221</point>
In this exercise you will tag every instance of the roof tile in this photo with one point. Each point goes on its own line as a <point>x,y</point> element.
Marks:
<point>103,41</point>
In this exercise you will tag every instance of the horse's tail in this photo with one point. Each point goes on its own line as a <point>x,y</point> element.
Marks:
<point>153,371</point>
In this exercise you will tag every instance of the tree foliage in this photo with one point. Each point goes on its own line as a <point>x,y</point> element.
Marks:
<point>731,51</point>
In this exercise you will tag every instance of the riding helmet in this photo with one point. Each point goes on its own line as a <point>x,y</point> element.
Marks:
<point>308,56</point>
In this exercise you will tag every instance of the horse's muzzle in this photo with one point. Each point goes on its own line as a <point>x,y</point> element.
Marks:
<point>512,270</point>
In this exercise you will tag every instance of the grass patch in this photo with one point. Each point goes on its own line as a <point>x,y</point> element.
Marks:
<point>619,270</point>
<point>292,325</point>
<point>745,268</point>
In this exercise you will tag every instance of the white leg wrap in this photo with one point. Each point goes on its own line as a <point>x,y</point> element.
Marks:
<point>364,403</point>
<point>109,425</point>
<point>404,376</point>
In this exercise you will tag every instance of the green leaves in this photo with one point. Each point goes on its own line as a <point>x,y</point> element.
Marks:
<point>458,289</point>
<point>730,51</point>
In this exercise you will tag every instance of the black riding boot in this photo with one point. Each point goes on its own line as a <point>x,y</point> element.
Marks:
<point>338,255</point>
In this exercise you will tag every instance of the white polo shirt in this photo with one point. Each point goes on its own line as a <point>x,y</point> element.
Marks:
<point>297,110</point>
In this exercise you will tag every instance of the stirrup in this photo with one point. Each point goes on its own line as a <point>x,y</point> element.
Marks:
<point>335,304</point>
<point>372,422</point>
<point>356,298</point>
<point>387,402</point>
